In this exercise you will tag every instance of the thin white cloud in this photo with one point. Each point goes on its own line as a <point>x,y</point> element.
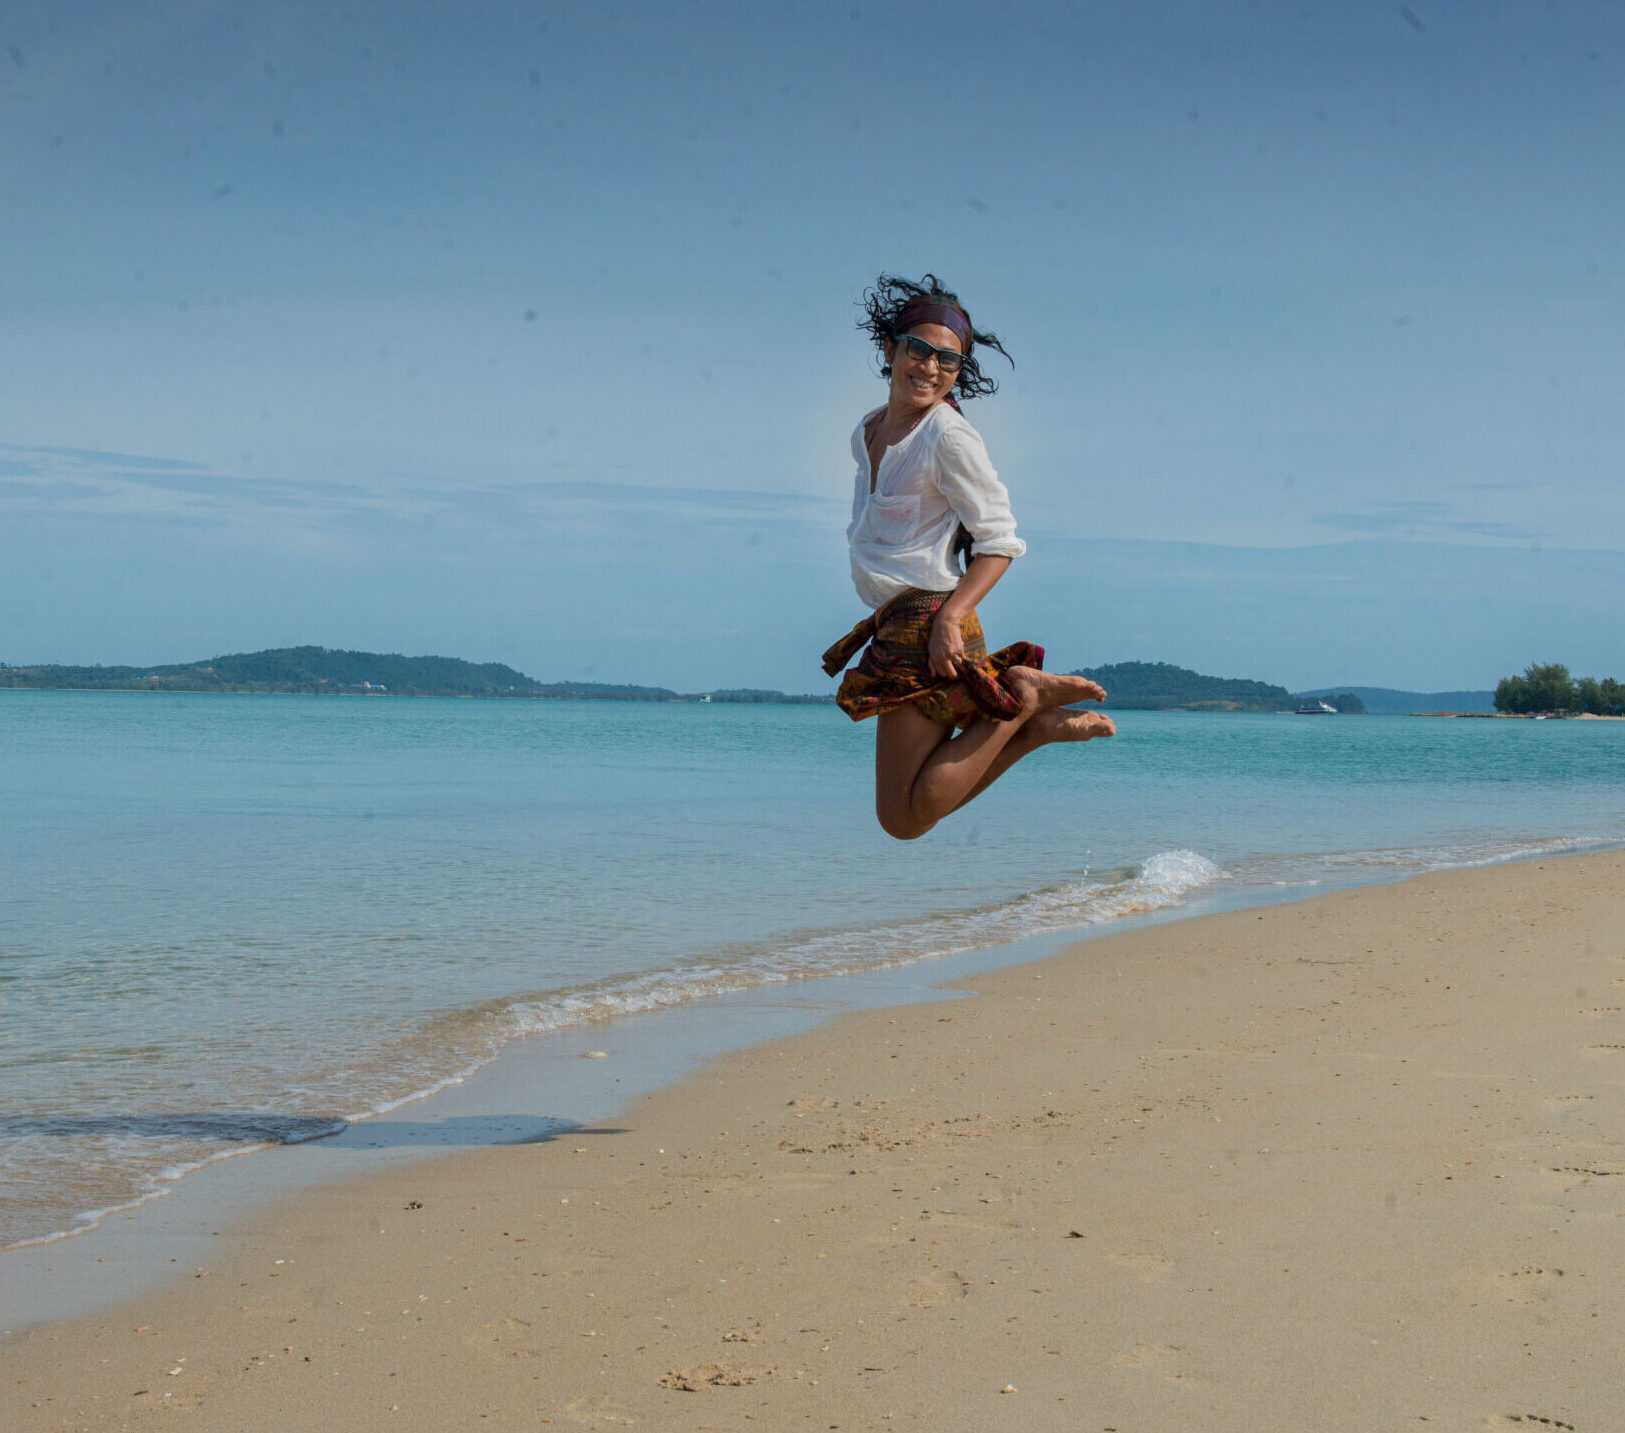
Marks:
<point>1429,522</point>
<point>72,482</point>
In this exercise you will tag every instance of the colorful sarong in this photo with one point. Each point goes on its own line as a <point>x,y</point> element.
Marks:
<point>895,669</point>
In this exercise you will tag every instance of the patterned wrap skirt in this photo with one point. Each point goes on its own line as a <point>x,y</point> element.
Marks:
<point>895,669</point>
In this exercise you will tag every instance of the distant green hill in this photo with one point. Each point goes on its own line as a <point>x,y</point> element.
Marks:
<point>1130,686</point>
<point>324,671</point>
<point>292,669</point>
<point>1390,701</point>
<point>1159,686</point>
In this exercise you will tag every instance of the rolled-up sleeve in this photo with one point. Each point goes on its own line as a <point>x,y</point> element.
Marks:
<point>969,482</point>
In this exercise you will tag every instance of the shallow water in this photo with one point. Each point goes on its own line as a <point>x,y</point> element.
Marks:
<point>228,920</point>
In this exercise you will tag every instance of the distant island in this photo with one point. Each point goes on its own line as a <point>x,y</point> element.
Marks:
<point>1160,686</point>
<point>1163,687</point>
<point>324,671</point>
<point>1391,701</point>
<point>321,671</point>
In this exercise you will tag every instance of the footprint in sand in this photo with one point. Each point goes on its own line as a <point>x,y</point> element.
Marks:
<point>503,1340</point>
<point>1534,1285</point>
<point>806,1179</point>
<point>597,1409</point>
<point>709,1375</point>
<point>956,1220</point>
<point>1573,1174</point>
<point>1587,1189</point>
<point>1563,1103</point>
<point>938,1287</point>
<point>1160,1358</point>
<point>1147,1355</point>
<point>1148,1268</point>
<point>1531,1421</point>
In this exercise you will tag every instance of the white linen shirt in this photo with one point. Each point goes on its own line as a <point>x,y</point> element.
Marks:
<point>902,534</point>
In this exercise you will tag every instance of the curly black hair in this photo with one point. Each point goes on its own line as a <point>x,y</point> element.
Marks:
<point>885,302</point>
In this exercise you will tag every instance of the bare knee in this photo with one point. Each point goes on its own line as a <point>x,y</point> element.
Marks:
<point>901,825</point>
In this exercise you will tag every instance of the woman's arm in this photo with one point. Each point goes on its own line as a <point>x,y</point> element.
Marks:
<point>967,479</point>
<point>947,645</point>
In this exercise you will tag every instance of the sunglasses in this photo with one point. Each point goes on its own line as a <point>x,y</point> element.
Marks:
<point>949,360</point>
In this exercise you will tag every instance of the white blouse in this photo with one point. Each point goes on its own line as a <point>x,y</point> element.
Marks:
<point>902,534</point>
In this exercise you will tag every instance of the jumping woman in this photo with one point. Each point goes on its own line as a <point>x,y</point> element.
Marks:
<point>924,494</point>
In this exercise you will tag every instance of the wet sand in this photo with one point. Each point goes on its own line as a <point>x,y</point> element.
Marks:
<point>1353,1163</point>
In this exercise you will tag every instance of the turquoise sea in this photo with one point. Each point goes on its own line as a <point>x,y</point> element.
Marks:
<point>228,921</point>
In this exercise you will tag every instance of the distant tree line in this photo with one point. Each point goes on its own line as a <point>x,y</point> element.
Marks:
<point>1161,686</point>
<point>1548,687</point>
<point>291,669</point>
<point>325,672</point>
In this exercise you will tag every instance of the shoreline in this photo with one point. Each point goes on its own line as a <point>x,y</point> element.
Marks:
<point>125,1249</point>
<point>1146,1183</point>
<point>680,1036</point>
<point>131,1249</point>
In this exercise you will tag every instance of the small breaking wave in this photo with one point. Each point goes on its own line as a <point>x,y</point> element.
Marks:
<point>1162,881</point>
<point>1336,868</point>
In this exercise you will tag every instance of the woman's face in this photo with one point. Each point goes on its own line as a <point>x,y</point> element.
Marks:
<point>919,383</point>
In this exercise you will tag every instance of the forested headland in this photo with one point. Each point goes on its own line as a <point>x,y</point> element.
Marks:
<point>1161,686</point>
<point>322,671</point>
<point>1547,687</point>
<point>1395,701</point>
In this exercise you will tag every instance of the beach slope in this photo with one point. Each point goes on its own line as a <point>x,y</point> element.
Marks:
<point>1347,1164</point>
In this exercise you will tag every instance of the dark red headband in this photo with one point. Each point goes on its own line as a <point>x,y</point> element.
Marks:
<point>921,309</point>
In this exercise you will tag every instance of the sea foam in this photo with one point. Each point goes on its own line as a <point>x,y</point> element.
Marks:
<point>1161,882</point>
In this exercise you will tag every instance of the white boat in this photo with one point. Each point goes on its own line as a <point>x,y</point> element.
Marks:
<point>1316,708</point>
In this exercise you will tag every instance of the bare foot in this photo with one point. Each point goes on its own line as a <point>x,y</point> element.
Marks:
<point>1040,691</point>
<point>1064,725</point>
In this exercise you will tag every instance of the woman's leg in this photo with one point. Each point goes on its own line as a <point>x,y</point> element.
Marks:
<point>922,771</point>
<point>1041,730</point>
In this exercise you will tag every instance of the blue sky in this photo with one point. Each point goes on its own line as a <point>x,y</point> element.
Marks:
<point>524,332</point>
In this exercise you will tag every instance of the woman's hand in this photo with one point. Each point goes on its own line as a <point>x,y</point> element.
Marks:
<point>947,646</point>
<point>946,649</point>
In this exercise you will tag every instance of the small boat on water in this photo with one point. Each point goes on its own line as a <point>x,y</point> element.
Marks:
<point>1316,708</point>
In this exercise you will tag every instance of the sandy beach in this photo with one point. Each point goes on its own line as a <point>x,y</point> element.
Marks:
<point>1348,1164</point>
